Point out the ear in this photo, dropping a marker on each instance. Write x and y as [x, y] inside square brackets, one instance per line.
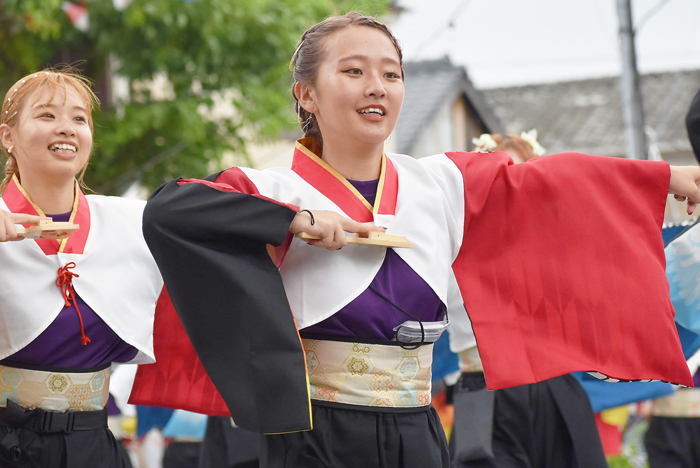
[306, 96]
[6, 136]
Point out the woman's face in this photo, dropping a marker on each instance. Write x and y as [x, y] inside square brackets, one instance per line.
[358, 91]
[52, 136]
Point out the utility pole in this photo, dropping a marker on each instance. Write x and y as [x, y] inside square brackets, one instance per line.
[631, 94]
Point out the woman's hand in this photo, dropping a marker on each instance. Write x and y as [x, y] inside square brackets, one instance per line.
[8, 232]
[329, 226]
[684, 185]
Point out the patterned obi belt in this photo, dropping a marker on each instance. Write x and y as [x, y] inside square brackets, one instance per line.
[376, 375]
[683, 403]
[56, 391]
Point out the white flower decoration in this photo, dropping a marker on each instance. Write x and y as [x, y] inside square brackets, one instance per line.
[484, 143]
[531, 138]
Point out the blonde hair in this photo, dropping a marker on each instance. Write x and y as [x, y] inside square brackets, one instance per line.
[16, 97]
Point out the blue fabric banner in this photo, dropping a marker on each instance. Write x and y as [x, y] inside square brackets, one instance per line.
[444, 361]
[683, 271]
[606, 395]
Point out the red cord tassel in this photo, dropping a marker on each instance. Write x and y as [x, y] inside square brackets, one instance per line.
[65, 283]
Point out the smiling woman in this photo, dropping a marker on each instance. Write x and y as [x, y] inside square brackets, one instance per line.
[69, 307]
[520, 246]
[40, 96]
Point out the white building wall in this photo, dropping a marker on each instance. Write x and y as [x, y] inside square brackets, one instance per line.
[438, 137]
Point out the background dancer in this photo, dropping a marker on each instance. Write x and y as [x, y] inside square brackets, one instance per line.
[70, 307]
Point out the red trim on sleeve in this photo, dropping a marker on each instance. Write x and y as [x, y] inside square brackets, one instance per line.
[178, 380]
[234, 180]
[235, 177]
[280, 252]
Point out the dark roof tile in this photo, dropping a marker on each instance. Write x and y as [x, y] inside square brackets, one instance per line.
[586, 115]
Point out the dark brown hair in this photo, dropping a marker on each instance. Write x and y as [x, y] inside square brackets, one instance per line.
[16, 98]
[310, 53]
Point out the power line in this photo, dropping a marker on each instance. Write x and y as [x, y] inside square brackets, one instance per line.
[652, 11]
[444, 27]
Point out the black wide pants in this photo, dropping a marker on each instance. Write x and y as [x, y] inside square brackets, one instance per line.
[549, 424]
[96, 448]
[349, 438]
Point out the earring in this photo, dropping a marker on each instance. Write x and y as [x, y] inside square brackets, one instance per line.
[9, 150]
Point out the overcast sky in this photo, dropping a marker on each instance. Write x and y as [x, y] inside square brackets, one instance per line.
[512, 42]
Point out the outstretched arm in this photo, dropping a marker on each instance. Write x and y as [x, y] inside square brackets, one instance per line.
[562, 263]
[684, 185]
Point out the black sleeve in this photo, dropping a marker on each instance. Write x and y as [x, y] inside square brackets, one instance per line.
[210, 246]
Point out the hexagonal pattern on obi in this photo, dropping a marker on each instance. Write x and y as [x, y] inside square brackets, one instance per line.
[56, 391]
[58, 383]
[408, 368]
[369, 374]
[10, 377]
[358, 365]
[97, 381]
[79, 396]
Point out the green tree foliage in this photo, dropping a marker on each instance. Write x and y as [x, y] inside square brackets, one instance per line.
[236, 49]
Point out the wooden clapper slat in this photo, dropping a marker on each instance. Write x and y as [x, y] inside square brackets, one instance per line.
[47, 229]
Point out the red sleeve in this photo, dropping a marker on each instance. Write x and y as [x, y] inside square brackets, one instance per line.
[178, 379]
[562, 268]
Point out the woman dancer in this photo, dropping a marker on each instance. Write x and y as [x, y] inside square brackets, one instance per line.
[368, 315]
[71, 307]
